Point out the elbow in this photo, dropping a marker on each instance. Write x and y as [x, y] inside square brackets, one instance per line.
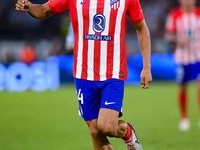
[45, 12]
[37, 12]
[43, 15]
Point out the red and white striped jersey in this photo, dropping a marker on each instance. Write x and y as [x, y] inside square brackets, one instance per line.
[188, 25]
[99, 31]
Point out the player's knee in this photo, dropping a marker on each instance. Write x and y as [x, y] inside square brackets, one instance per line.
[94, 132]
[107, 129]
[183, 88]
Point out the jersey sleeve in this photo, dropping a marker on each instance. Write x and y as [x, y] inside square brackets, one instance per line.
[58, 6]
[135, 12]
[170, 23]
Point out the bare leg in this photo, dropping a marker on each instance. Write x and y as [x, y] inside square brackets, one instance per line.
[100, 142]
[109, 125]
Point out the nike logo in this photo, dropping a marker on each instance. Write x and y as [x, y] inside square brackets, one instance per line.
[106, 103]
[84, 3]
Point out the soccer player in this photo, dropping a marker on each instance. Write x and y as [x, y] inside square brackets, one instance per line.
[100, 65]
[183, 29]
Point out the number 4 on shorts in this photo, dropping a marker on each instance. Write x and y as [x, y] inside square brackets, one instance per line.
[80, 96]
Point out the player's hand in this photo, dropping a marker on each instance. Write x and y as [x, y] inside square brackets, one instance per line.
[146, 78]
[22, 5]
[183, 41]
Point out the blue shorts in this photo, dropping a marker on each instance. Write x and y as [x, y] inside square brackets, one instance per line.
[93, 95]
[185, 73]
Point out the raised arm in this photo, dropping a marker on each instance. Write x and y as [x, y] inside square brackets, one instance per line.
[145, 46]
[34, 10]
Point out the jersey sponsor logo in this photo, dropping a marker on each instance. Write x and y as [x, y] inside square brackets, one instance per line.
[99, 22]
[98, 37]
[114, 4]
[84, 3]
[109, 103]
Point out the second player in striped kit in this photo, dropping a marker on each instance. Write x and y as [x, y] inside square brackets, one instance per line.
[183, 29]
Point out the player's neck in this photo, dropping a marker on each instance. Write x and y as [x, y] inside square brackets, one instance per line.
[188, 9]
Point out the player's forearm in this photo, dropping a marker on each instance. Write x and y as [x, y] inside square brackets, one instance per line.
[145, 45]
[181, 40]
[38, 11]
[34, 10]
[170, 37]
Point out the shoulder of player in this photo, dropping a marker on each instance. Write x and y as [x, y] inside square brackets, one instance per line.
[197, 10]
[176, 12]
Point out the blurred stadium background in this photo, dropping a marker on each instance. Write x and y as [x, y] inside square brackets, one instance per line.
[33, 58]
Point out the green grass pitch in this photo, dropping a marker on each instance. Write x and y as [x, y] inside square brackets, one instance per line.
[50, 121]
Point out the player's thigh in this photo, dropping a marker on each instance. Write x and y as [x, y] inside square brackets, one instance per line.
[111, 104]
[108, 119]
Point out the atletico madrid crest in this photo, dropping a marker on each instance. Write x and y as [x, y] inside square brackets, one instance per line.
[114, 4]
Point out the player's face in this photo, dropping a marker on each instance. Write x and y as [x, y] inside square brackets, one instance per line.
[187, 3]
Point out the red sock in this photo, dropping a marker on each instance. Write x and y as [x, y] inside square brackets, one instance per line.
[128, 133]
[183, 104]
